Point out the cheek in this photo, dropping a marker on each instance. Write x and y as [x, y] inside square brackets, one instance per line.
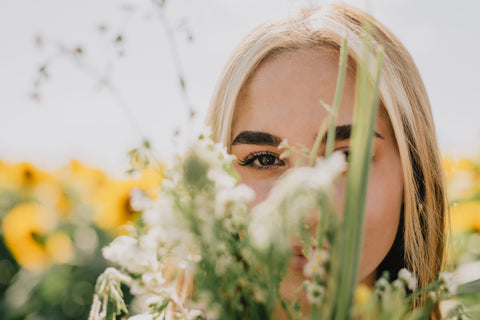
[383, 209]
[261, 186]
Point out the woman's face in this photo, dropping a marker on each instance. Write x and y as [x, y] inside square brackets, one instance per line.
[283, 100]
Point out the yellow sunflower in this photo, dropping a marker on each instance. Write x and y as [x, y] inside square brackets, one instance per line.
[25, 229]
[462, 177]
[112, 205]
[59, 247]
[465, 216]
[150, 181]
[84, 179]
[28, 182]
[23, 175]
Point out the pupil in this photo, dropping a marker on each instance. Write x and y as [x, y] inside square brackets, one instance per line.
[267, 160]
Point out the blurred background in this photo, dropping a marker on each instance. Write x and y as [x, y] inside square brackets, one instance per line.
[85, 82]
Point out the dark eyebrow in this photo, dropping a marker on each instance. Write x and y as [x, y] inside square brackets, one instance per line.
[344, 132]
[257, 137]
[266, 139]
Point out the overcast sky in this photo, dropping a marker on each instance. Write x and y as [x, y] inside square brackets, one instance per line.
[79, 117]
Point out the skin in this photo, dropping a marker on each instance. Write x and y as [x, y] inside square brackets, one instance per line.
[283, 98]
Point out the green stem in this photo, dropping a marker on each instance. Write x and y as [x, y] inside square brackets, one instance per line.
[316, 145]
[322, 224]
[366, 105]
[342, 67]
[285, 308]
[469, 288]
[430, 287]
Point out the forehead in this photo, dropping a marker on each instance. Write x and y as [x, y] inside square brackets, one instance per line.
[284, 96]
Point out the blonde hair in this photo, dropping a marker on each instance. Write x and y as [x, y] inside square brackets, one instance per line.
[403, 99]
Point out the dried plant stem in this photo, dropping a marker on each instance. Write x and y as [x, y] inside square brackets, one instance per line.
[320, 134]
[176, 59]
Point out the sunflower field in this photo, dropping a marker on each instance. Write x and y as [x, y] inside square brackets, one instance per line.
[53, 227]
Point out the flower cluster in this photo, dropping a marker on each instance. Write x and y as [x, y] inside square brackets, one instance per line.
[316, 271]
[199, 229]
[408, 279]
[199, 211]
[198, 252]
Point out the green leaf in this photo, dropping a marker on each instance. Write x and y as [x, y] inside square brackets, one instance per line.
[337, 98]
[469, 288]
[366, 104]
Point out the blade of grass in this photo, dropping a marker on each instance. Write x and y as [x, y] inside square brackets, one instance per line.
[366, 105]
[342, 68]
[316, 145]
[469, 288]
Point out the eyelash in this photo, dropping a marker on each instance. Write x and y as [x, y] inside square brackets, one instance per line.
[347, 154]
[250, 159]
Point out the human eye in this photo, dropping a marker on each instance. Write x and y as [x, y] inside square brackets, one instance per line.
[261, 160]
[347, 153]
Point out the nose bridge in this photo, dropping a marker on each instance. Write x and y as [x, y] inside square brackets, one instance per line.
[302, 144]
[298, 159]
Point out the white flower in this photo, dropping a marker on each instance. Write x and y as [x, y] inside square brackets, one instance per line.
[153, 300]
[315, 265]
[205, 133]
[122, 251]
[315, 292]
[382, 285]
[240, 196]
[312, 269]
[161, 212]
[320, 255]
[215, 154]
[154, 281]
[408, 278]
[139, 201]
[399, 284]
[222, 179]
[126, 252]
[171, 180]
[222, 150]
[263, 228]
[114, 274]
[448, 279]
[154, 240]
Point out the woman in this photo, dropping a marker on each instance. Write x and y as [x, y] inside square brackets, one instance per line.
[272, 88]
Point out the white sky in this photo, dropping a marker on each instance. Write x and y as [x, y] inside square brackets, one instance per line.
[76, 118]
